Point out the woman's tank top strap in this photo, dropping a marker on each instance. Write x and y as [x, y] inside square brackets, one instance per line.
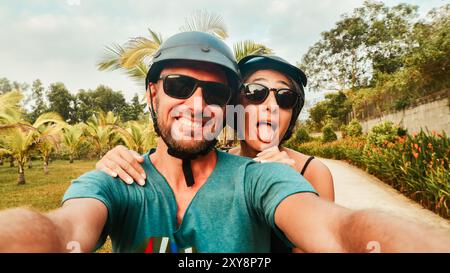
[306, 165]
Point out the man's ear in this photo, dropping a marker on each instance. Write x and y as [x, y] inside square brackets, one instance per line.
[151, 91]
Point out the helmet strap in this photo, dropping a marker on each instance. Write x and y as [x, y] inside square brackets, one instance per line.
[153, 114]
[187, 171]
[186, 162]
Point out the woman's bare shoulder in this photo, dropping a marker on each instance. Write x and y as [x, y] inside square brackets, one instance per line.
[315, 166]
[235, 151]
[297, 156]
[317, 173]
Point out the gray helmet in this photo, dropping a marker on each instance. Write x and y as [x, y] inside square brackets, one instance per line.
[192, 46]
[258, 62]
[195, 46]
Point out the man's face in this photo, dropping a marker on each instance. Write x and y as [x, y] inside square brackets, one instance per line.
[188, 125]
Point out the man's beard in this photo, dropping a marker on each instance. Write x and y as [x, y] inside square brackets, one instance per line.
[199, 147]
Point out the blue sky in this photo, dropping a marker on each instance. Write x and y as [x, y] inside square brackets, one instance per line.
[62, 40]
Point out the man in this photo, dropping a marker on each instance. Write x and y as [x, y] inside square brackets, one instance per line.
[197, 198]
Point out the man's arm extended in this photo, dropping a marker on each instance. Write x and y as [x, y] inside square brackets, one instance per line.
[317, 225]
[80, 221]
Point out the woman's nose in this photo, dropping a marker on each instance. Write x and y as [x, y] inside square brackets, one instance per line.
[270, 104]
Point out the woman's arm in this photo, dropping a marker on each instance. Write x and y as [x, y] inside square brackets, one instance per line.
[321, 179]
[316, 172]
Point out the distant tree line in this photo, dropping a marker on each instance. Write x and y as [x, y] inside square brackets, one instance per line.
[73, 108]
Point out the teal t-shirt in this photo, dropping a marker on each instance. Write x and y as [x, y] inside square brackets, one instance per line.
[232, 212]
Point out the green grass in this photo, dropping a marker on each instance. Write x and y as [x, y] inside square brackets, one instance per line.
[41, 192]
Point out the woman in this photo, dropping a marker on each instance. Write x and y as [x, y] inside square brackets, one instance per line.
[276, 88]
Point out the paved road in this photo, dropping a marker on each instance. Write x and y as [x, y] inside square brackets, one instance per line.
[356, 189]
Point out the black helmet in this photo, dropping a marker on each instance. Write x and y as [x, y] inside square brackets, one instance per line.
[258, 62]
[195, 46]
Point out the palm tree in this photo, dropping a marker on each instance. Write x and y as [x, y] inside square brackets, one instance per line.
[48, 141]
[137, 135]
[99, 129]
[135, 55]
[73, 138]
[21, 137]
[10, 112]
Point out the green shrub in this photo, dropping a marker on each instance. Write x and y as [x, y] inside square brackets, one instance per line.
[301, 135]
[382, 133]
[328, 134]
[353, 129]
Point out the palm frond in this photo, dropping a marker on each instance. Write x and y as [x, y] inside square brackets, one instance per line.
[10, 111]
[138, 50]
[138, 73]
[4, 152]
[12, 98]
[137, 135]
[19, 125]
[49, 117]
[156, 37]
[202, 20]
[112, 59]
[245, 48]
[18, 142]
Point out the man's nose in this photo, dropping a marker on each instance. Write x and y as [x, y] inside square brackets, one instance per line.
[196, 100]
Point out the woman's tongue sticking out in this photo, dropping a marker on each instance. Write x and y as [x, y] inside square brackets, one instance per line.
[266, 132]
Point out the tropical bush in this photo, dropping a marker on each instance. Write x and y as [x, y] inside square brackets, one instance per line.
[328, 134]
[417, 165]
[353, 129]
[302, 135]
[382, 133]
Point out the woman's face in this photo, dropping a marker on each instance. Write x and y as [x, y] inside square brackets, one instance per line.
[267, 126]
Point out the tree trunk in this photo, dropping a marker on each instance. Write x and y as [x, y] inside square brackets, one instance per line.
[46, 166]
[11, 162]
[1, 161]
[30, 163]
[71, 159]
[21, 177]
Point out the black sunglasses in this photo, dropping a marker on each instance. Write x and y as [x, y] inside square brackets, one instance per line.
[257, 93]
[182, 87]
